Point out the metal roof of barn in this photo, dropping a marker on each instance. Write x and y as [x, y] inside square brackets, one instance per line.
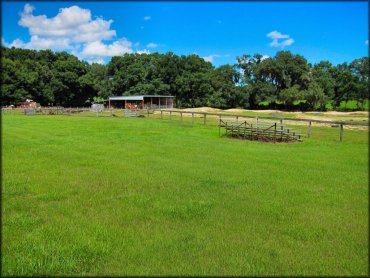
[136, 97]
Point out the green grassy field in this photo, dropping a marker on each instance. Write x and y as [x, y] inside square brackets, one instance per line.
[115, 196]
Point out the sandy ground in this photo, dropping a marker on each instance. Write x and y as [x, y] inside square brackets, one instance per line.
[204, 109]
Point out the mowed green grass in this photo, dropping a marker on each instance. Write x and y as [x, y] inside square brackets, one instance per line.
[115, 196]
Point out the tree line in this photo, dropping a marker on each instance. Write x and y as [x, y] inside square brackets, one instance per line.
[285, 81]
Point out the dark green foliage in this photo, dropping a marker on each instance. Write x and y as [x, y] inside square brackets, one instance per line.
[44, 76]
[290, 94]
[360, 68]
[315, 96]
[281, 81]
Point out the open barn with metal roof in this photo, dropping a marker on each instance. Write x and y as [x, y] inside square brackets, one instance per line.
[141, 102]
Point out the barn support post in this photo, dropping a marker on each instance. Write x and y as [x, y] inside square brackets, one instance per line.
[109, 104]
[166, 102]
[341, 132]
[151, 103]
[309, 129]
[125, 104]
[159, 103]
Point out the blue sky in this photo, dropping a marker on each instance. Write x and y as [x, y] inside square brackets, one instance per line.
[217, 31]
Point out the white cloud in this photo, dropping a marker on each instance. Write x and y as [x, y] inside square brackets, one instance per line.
[287, 42]
[208, 58]
[151, 45]
[264, 57]
[147, 17]
[37, 42]
[367, 42]
[95, 60]
[16, 43]
[276, 36]
[99, 49]
[28, 8]
[211, 58]
[73, 23]
[72, 29]
[145, 51]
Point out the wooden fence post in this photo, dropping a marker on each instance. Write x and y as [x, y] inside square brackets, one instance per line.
[205, 118]
[192, 118]
[161, 114]
[281, 133]
[309, 129]
[170, 115]
[341, 132]
[219, 128]
[181, 115]
[245, 129]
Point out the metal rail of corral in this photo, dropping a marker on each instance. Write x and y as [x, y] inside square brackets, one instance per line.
[281, 119]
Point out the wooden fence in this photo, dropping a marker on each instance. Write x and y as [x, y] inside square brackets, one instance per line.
[172, 112]
[258, 118]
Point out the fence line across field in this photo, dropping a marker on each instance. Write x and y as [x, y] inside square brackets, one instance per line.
[257, 118]
[58, 110]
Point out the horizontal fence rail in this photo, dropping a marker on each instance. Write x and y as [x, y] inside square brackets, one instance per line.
[281, 119]
[267, 118]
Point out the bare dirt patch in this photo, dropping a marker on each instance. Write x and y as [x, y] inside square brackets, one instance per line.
[204, 109]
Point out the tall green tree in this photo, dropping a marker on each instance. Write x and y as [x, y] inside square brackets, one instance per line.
[360, 69]
[315, 96]
[321, 74]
